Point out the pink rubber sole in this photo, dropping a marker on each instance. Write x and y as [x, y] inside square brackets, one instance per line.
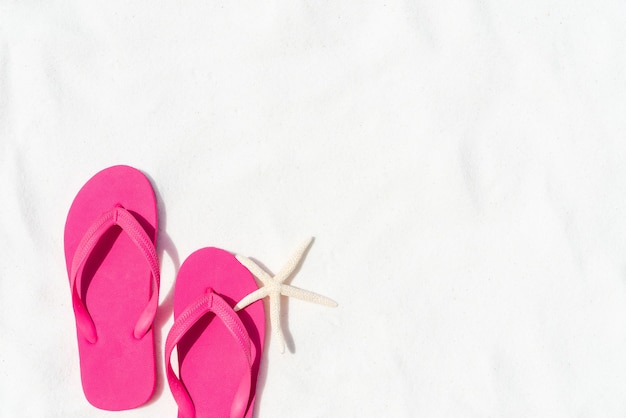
[117, 372]
[210, 362]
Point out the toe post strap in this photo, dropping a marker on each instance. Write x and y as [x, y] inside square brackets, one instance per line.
[120, 217]
[210, 302]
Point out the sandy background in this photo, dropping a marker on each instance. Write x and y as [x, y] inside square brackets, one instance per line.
[461, 165]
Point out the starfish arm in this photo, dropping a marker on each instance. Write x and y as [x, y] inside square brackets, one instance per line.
[294, 260]
[251, 298]
[275, 320]
[254, 268]
[307, 295]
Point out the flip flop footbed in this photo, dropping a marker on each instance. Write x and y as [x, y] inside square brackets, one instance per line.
[118, 370]
[211, 364]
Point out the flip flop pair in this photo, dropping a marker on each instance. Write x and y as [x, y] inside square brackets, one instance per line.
[113, 269]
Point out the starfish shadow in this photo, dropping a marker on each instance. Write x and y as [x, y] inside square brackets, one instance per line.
[285, 301]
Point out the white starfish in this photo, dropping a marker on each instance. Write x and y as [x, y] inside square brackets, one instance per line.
[275, 286]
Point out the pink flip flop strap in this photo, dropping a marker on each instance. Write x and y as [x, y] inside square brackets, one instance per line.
[209, 302]
[118, 216]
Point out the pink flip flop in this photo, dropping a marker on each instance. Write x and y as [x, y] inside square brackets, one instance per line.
[110, 237]
[219, 350]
